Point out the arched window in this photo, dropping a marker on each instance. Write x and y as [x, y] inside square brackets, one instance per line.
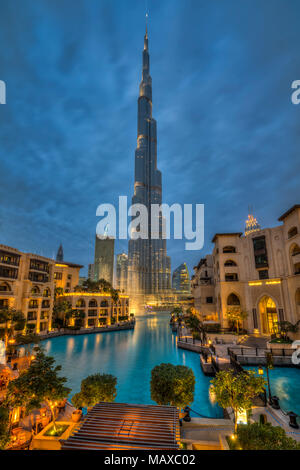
[4, 303]
[230, 262]
[93, 303]
[295, 250]
[298, 303]
[229, 249]
[5, 287]
[80, 303]
[35, 290]
[46, 292]
[292, 232]
[104, 303]
[233, 299]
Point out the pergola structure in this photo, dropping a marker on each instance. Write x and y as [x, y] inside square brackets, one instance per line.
[121, 426]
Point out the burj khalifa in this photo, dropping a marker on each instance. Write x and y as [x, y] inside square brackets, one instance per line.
[149, 267]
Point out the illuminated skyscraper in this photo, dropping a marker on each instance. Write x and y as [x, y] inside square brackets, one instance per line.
[149, 277]
[104, 258]
[121, 272]
[181, 280]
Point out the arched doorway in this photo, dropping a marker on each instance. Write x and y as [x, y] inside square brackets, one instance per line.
[268, 315]
[298, 303]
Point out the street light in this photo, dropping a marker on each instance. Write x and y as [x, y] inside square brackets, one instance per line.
[273, 400]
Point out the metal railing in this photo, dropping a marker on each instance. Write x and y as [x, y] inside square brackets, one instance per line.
[259, 352]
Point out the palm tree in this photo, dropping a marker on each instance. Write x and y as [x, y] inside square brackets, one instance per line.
[13, 320]
[286, 327]
[196, 326]
[58, 291]
[61, 311]
[115, 298]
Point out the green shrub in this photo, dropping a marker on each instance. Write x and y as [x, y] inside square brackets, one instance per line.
[281, 340]
[172, 385]
[94, 389]
[4, 427]
[265, 437]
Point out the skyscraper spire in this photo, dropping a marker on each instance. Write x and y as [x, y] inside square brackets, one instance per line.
[60, 253]
[146, 34]
[148, 263]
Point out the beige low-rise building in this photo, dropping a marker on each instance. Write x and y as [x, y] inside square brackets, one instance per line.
[98, 307]
[66, 275]
[203, 288]
[26, 284]
[258, 271]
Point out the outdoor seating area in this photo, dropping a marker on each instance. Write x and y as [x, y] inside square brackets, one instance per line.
[21, 439]
[124, 426]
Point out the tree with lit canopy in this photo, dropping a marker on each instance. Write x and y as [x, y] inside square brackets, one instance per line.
[237, 316]
[237, 390]
[172, 385]
[13, 320]
[94, 389]
[39, 384]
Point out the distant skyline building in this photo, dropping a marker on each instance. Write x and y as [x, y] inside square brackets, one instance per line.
[121, 272]
[181, 282]
[149, 267]
[60, 253]
[91, 274]
[104, 258]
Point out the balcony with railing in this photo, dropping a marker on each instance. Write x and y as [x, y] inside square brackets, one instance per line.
[8, 272]
[92, 313]
[4, 303]
[38, 277]
[231, 277]
[31, 316]
[37, 265]
[44, 316]
[9, 258]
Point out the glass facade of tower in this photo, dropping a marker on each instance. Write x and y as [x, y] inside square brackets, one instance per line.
[121, 272]
[104, 259]
[148, 263]
[181, 280]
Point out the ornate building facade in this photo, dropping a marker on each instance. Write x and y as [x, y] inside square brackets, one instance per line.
[258, 272]
[27, 284]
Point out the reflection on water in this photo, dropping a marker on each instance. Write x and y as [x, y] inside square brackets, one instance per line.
[285, 384]
[130, 356]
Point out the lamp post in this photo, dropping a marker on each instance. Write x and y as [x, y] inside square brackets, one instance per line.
[273, 400]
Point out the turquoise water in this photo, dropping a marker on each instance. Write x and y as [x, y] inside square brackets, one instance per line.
[285, 384]
[130, 356]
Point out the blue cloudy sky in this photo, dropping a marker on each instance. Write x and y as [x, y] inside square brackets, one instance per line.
[228, 134]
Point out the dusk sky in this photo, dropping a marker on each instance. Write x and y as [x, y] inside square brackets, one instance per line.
[228, 133]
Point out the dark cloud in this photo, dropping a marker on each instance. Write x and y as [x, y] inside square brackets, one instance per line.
[228, 133]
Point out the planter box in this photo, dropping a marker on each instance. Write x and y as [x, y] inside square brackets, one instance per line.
[278, 345]
[42, 442]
